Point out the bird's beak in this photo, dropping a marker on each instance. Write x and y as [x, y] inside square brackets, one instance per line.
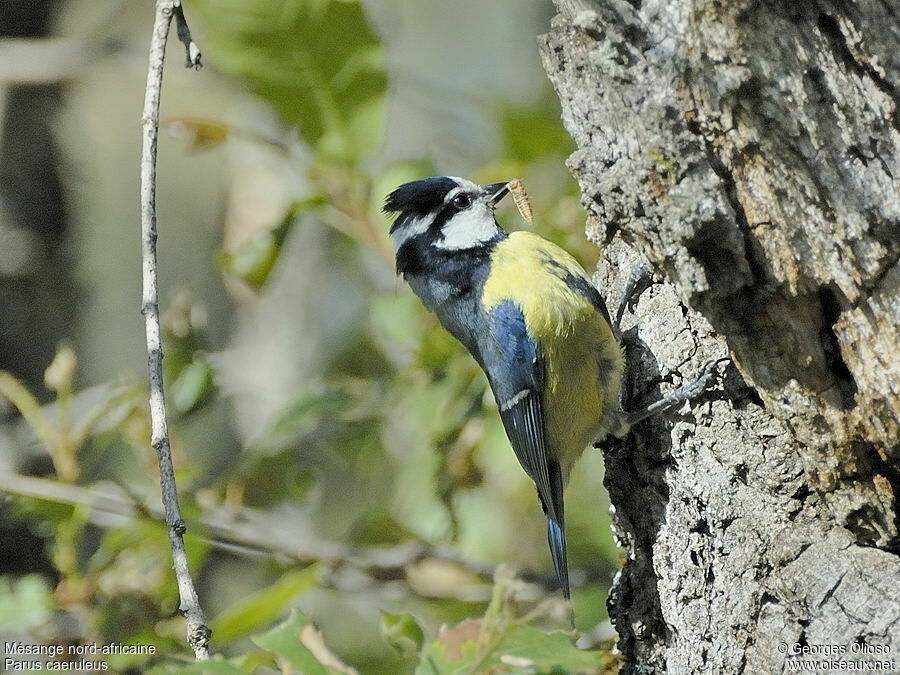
[496, 192]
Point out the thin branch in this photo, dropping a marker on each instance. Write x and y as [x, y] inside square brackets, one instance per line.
[191, 50]
[197, 631]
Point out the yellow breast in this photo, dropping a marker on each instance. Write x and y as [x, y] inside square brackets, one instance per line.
[583, 362]
[531, 271]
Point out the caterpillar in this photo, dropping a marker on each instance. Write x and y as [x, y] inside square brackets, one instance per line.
[520, 197]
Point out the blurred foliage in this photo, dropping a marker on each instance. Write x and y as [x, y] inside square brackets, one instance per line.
[262, 608]
[500, 641]
[317, 61]
[25, 603]
[395, 440]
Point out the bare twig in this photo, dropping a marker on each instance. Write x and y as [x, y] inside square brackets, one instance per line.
[191, 50]
[197, 631]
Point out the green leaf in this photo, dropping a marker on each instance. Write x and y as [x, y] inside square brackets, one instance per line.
[454, 651]
[263, 607]
[254, 260]
[522, 649]
[402, 632]
[317, 61]
[250, 661]
[194, 386]
[554, 650]
[285, 641]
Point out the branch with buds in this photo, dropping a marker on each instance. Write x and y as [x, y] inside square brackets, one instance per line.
[197, 631]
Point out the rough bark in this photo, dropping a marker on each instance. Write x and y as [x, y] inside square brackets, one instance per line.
[750, 152]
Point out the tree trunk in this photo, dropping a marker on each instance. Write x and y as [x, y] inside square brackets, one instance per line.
[750, 152]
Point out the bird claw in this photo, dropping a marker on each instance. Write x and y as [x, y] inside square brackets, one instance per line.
[700, 384]
[685, 393]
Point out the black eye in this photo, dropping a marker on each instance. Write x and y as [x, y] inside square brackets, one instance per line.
[462, 201]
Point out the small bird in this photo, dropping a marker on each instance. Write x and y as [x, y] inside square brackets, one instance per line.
[529, 315]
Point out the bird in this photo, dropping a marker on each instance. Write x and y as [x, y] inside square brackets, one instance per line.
[528, 313]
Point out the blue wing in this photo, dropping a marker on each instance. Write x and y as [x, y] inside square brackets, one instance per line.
[515, 370]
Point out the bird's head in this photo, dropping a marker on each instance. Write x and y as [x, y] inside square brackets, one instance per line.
[444, 213]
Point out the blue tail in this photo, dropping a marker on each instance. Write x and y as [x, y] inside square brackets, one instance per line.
[556, 537]
[556, 525]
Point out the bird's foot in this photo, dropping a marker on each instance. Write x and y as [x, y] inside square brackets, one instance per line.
[685, 393]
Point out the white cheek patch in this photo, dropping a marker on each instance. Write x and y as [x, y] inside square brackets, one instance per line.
[468, 229]
[409, 230]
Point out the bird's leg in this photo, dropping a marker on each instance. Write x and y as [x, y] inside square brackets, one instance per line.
[639, 280]
[684, 393]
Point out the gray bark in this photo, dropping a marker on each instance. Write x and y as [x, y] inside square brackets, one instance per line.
[750, 152]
